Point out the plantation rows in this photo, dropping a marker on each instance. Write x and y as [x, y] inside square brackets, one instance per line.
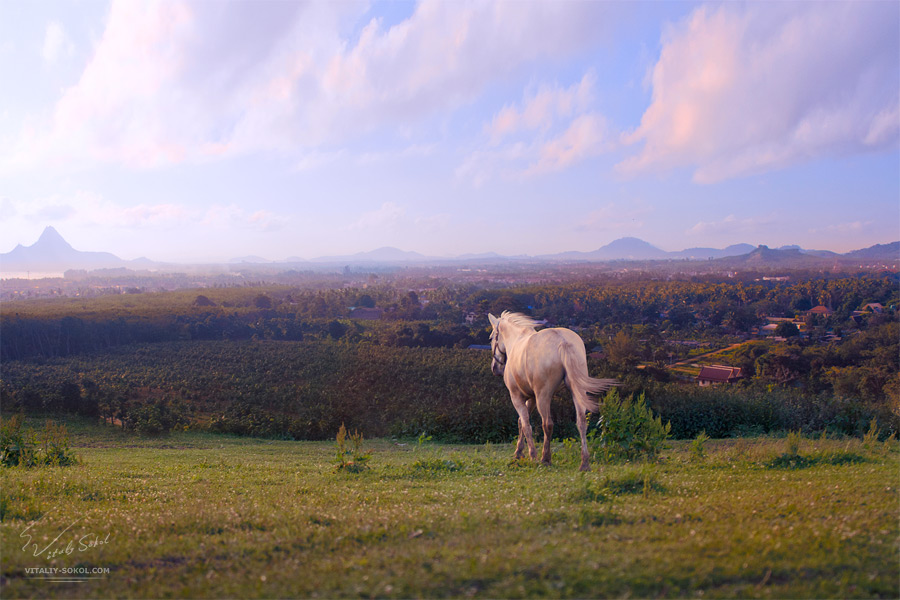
[307, 389]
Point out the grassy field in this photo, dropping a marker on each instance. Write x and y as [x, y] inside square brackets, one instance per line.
[198, 515]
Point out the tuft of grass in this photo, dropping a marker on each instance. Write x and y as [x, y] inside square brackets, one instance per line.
[698, 452]
[359, 460]
[793, 443]
[632, 480]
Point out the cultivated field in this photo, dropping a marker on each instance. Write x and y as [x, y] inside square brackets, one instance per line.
[199, 515]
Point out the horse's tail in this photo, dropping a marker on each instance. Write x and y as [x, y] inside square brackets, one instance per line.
[582, 385]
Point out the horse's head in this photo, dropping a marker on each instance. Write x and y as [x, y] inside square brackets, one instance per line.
[498, 348]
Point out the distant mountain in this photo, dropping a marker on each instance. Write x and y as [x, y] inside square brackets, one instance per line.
[763, 256]
[386, 254]
[52, 253]
[708, 253]
[630, 248]
[767, 255]
[818, 253]
[627, 248]
[821, 253]
[878, 252]
[253, 260]
[482, 256]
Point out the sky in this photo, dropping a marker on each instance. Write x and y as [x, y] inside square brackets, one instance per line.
[204, 131]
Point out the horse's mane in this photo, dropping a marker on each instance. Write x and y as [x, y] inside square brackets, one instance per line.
[519, 319]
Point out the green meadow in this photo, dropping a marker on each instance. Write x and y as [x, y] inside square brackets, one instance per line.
[198, 515]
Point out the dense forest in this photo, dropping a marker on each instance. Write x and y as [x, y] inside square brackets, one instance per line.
[394, 357]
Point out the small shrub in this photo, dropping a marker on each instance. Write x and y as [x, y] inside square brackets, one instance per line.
[358, 461]
[871, 437]
[698, 451]
[16, 444]
[21, 446]
[627, 429]
[793, 443]
[53, 445]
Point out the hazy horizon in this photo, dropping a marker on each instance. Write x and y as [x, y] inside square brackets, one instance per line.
[204, 131]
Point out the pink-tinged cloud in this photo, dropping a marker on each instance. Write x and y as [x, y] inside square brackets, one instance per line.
[747, 88]
[179, 81]
[542, 109]
[583, 139]
[551, 130]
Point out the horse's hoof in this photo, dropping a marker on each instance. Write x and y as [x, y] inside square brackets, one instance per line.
[585, 468]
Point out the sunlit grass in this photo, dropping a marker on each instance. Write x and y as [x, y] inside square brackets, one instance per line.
[197, 515]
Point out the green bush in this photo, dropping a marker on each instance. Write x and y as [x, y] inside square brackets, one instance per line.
[627, 429]
[697, 448]
[22, 446]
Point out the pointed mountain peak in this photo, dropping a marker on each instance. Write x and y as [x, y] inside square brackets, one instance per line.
[51, 237]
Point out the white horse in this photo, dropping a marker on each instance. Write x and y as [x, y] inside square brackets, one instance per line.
[533, 364]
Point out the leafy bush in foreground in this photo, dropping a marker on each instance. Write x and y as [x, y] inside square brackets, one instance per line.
[22, 446]
[627, 429]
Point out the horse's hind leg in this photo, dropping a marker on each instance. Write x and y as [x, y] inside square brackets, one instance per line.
[543, 404]
[581, 421]
[523, 408]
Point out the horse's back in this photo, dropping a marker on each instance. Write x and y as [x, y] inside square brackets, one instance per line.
[552, 340]
[541, 363]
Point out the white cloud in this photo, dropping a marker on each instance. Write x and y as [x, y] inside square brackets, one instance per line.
[506, 162]
[231, 217]
[849, 227]
[56, 43]
[387, 216]
[747, 88]
[732, 225]
[91, 210]
[178, 81]
[316, 159]
[583, 139]
[391, 221]
[552, 129]
[614, 216]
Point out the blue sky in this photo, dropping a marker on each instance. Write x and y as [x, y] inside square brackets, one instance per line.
[202, 131]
